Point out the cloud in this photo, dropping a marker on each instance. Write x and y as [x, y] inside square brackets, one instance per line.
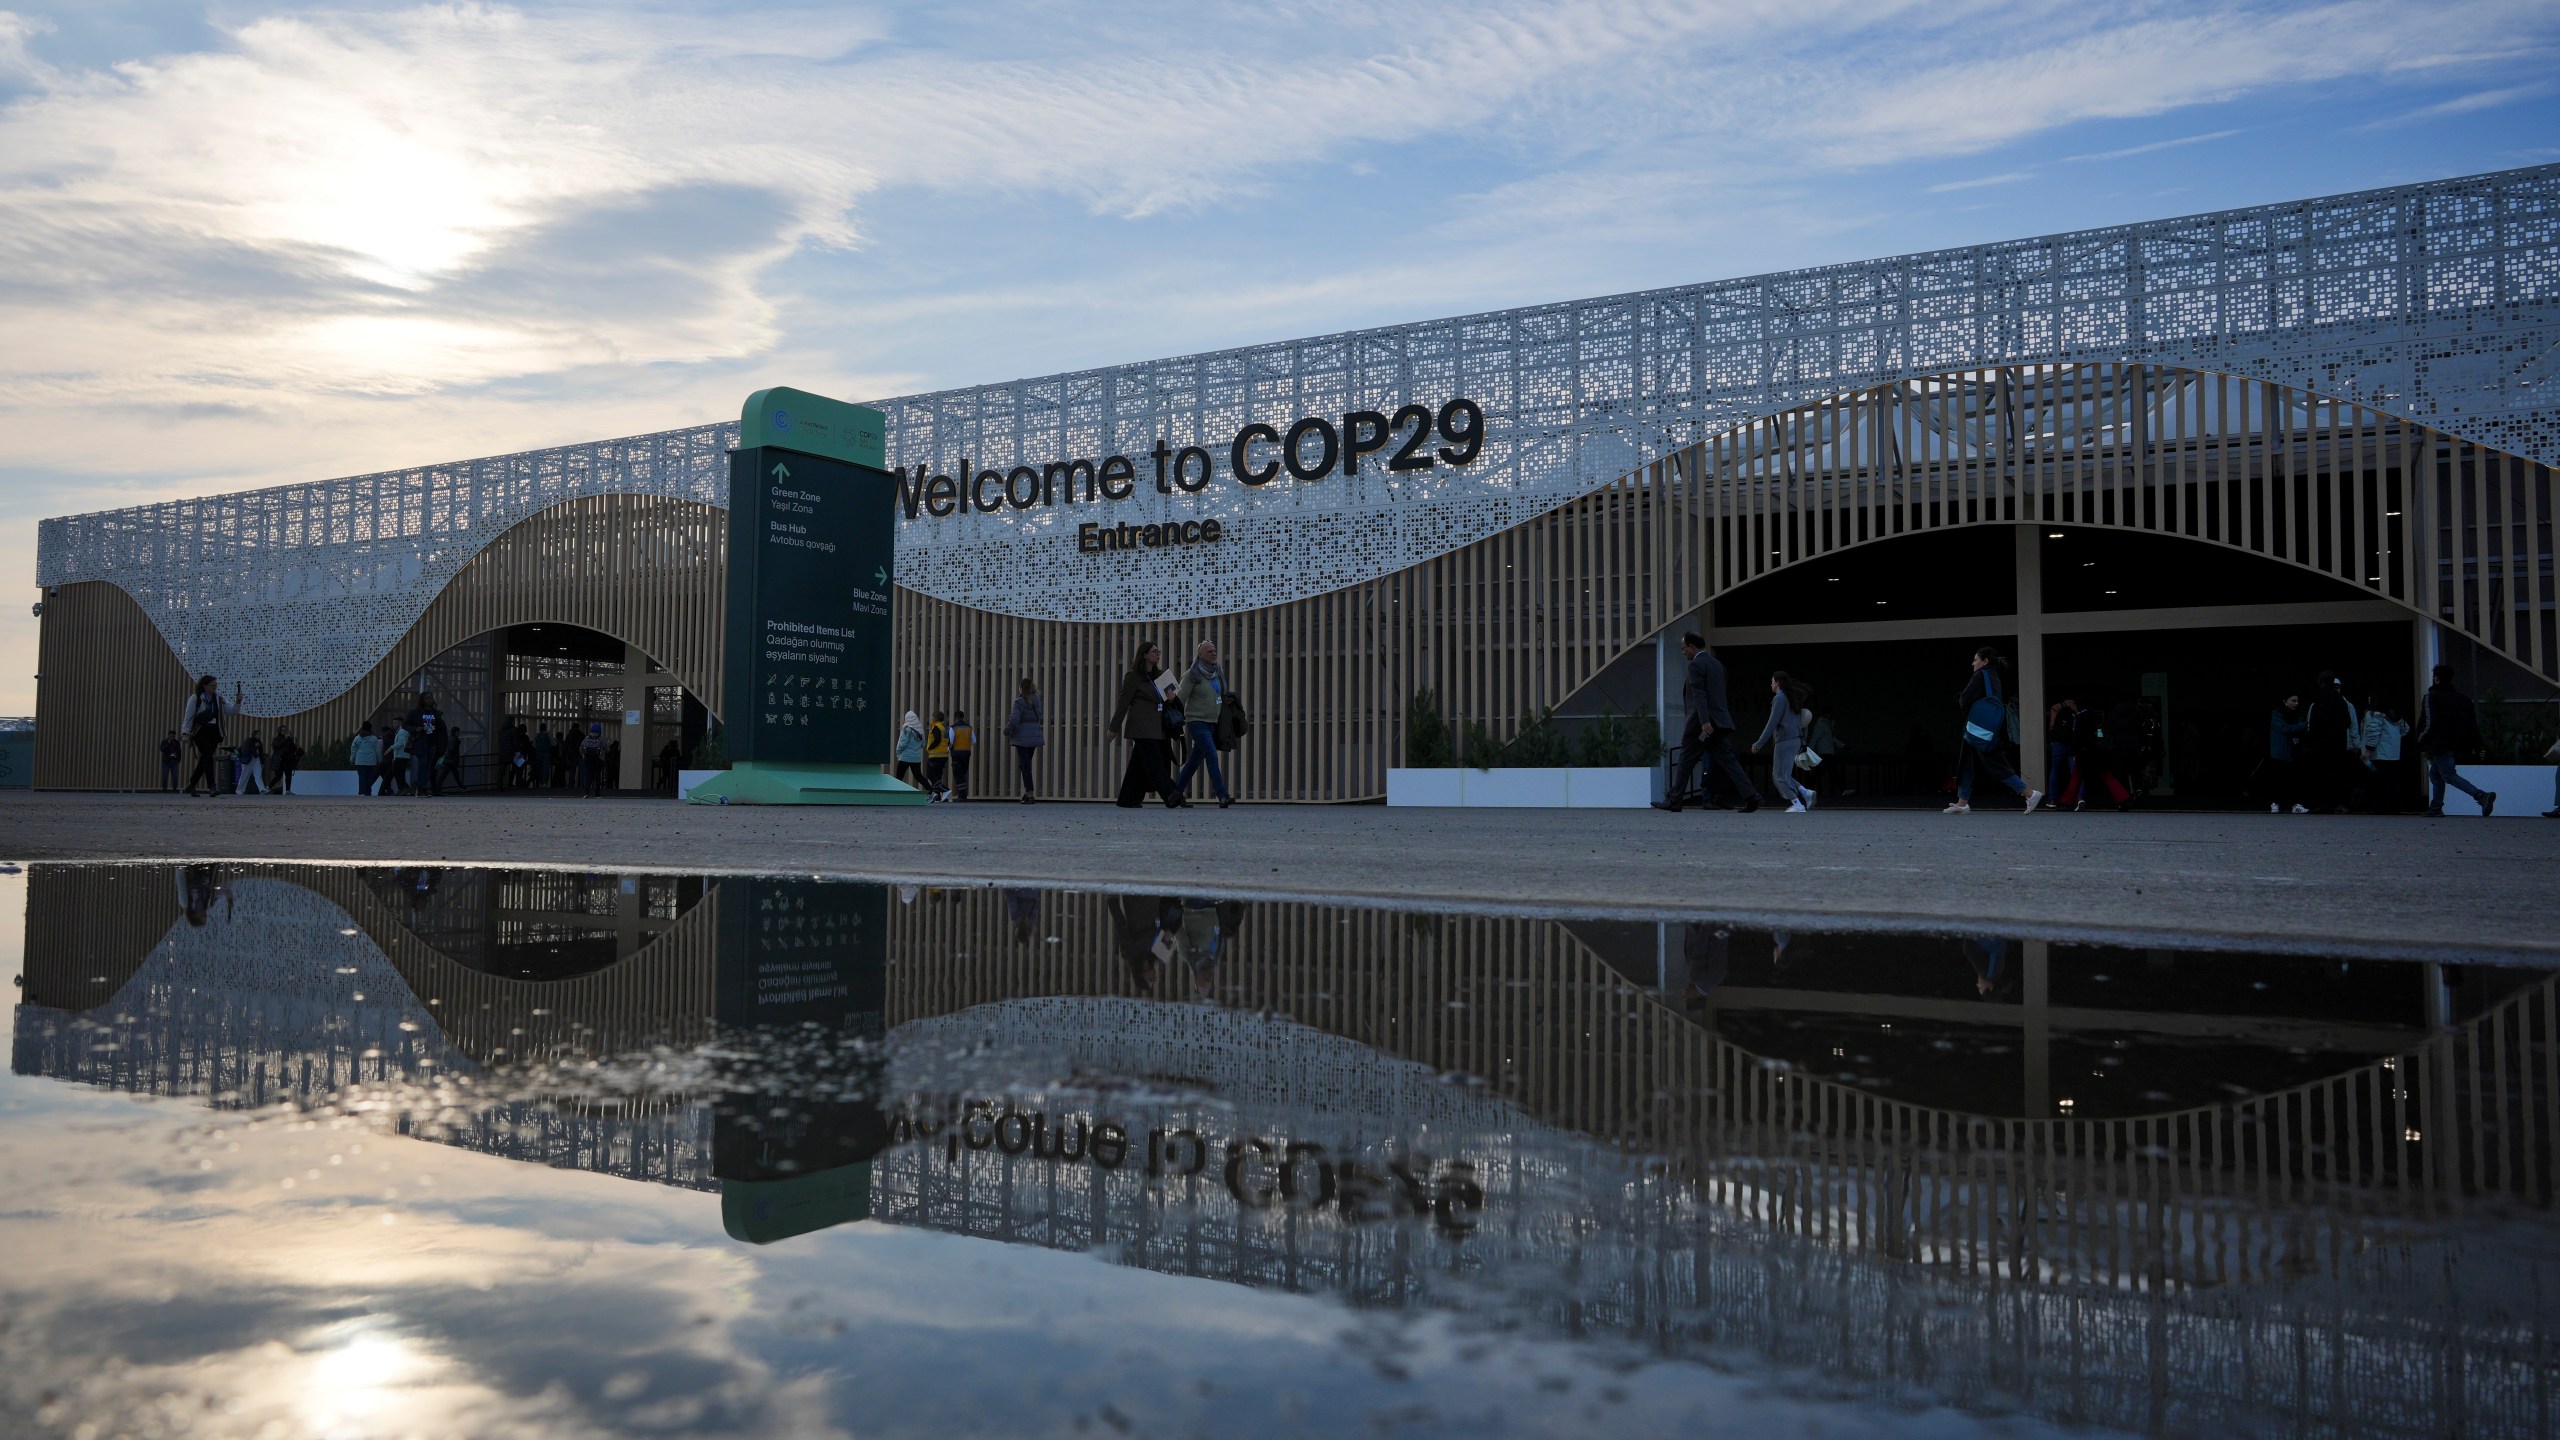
[2464, 104]
[2129, 151]
[330, 239]
[2011, 177]
[1988, 95]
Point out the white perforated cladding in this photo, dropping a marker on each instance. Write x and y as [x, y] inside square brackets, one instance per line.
[2439, 302]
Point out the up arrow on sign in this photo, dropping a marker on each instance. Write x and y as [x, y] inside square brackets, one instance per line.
[781, 472]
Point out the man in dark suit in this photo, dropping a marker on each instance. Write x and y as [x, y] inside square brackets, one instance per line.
[1706, 731]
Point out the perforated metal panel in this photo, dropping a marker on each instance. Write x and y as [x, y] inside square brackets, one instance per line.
[2437, 302]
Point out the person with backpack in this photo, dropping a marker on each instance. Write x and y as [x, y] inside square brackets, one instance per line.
[591, 760]
[1203, 698]
[364, 753]
[2383, 732]
[1783, 736]
[2094, 757]
[202, 721]
[1984, 702]
[937, 758]
[171, 751]
[249, 765]
[1023, 730]
[2448, 725]
[964, 745]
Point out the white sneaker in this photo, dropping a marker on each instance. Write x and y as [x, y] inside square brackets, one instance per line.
[1796, 809]
[2034, 798]
[2275, 809]
[1958, 808]
[2301, 809]
[1807, 802]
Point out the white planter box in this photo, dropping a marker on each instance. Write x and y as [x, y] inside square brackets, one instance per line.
[1439, 788]
[2521, 790]
[1629, 787]
[324, 782]
[687, 779]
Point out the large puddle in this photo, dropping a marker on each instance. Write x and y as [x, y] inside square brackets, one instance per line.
[340, 1151]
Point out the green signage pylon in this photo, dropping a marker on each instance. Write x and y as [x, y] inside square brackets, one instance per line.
[812, 564]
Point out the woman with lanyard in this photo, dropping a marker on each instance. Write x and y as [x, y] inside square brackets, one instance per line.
[1204, 692]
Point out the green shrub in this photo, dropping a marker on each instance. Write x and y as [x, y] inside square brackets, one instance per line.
[1538, 746]
[1426, 735]
[1601, 741]
[2510, 737]
[711, 752]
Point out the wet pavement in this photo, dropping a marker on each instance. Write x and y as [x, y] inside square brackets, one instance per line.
[354, 1151]
[2322, 884]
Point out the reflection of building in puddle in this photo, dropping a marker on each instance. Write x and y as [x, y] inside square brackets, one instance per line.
[1623, 1165]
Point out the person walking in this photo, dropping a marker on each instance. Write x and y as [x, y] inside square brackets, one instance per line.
[1706, 732]
[364, 753]
[1137, 716]
[2094, 758]
[2060, 776]
[2447, 726]
[591, 760]
[910, 752]
[287, 753]
[395, 760]
[201, 721]
[426, 745]
[1023, 730]
[1985, 706]
[249, 766]
[937, 758]
[613, 764]
[1204, 701]
[1783, 736]
[172, 750]
[545, 750]
[2280, 782]
[2382, 733]
[964, 745]
[2329, 743]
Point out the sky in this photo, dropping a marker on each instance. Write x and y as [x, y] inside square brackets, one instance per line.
[248, 244]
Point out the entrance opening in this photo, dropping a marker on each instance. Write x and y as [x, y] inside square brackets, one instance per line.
[2183, 649]
[534, 691]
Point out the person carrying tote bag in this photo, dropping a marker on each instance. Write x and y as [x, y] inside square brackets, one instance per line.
[1986, 725]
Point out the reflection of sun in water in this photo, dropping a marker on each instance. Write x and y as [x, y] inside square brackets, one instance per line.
[357, 1373]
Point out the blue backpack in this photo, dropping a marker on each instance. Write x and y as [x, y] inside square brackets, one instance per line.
[1988, 720]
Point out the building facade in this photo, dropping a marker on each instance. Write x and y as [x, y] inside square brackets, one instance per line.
[2317, 428]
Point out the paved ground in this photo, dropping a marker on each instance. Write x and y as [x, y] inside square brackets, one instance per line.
[2336, 883]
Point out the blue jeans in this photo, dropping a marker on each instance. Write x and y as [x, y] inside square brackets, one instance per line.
[1989, 762]
[1204, 746]
[2440, 773]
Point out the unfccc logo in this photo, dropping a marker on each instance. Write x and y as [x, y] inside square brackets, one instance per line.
[781, 419]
